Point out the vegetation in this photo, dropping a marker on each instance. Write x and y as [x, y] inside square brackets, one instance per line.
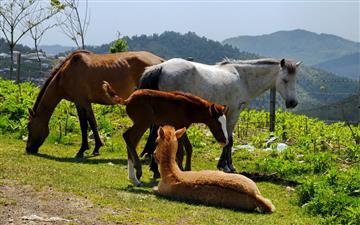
[119, 45]
[322, 159]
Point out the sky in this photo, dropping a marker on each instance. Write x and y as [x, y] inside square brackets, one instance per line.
[216, 20]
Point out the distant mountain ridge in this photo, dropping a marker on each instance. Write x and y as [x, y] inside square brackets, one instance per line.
[347, 66]
[298, 44]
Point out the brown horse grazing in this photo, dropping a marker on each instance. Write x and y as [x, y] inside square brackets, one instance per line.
[146, 107]
[208, 187]
[79, 79]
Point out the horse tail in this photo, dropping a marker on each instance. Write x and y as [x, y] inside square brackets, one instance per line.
[111, 94]
[150, 78]
[264, 204]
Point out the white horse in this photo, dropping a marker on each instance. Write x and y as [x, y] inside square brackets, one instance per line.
[233, 83]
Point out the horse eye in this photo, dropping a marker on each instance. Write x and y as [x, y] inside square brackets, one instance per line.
[285, 81]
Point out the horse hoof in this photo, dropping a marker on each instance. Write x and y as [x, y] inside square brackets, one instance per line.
[79, 155]
[232, 169]
[138, 174]
[136, 182]
[226, 169]
[96, 153]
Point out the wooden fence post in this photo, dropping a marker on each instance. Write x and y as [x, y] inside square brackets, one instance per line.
[272, 108]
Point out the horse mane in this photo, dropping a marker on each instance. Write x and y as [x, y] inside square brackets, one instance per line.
[289, 65]
[52, 75]
[265, 61]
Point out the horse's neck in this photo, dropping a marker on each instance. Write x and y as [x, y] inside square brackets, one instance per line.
[52, 96]
[262, 79]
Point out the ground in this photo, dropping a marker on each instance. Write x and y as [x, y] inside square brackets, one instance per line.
[95, 190]
[22, 202]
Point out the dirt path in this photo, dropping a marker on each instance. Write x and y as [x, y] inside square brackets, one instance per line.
[23, 204]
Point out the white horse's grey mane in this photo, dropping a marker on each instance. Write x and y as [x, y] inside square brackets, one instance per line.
[266, 61]
[289, 65]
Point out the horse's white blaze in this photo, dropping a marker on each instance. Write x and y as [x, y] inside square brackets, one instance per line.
[131, 172]
[222, 120]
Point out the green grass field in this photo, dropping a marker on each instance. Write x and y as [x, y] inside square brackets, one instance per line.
[103, 180]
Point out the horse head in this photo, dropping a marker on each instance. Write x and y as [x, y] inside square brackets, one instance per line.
[285, 82]
[167, 143]
[38, 131]
[217, 124]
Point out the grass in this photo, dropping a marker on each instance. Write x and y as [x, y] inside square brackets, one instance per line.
[103, 180]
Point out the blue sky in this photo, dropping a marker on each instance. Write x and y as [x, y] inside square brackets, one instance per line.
[217, 20]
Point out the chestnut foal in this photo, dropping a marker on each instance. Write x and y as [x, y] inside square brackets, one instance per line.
[146, 107]
[208, 187]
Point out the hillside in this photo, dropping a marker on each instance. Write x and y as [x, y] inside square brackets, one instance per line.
[310, 47]
[4, 47]
[347, 66]
[317, 88]
[172, 44]
[55, 49]
[343, 110]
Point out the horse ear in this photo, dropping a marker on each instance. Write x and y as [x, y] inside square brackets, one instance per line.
[282, 63]
[298, 63]
[179, 133]
[213, 110]
[31, 112]
[226, 110]
[161, 132]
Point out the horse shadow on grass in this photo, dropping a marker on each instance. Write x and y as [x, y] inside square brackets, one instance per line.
[85, 160]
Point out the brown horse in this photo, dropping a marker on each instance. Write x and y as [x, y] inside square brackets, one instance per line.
[207, 187]
[79, 79]
[146, 107]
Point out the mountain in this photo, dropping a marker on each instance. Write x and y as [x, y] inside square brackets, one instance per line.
[55, 49]
[312, 48]
[347, 66]
[172, 44]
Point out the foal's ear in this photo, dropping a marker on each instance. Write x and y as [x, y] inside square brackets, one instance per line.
[282, 63]
[179, 133]
[31, 112]
[226, 109]
[161, 132]
[213, 110]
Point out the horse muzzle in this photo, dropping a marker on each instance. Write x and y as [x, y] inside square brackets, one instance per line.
[292, 103]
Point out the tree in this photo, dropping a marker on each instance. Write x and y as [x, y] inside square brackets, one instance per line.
[120, 45]
[73, 25]
[15, 23]
[38, 32]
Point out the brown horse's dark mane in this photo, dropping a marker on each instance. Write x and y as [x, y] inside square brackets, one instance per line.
[52, 75]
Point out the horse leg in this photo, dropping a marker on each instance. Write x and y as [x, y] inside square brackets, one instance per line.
[225, 161]
[84, 131]
[93, 126]
[229, 153]
[151, 141]
[222, 164]
[154, 167]
[132, 137]
[233, 117]
[180, 154]
[188, 148]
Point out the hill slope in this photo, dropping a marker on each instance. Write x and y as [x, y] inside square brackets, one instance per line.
[172, 44]
[310, 47]
[347, 66]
